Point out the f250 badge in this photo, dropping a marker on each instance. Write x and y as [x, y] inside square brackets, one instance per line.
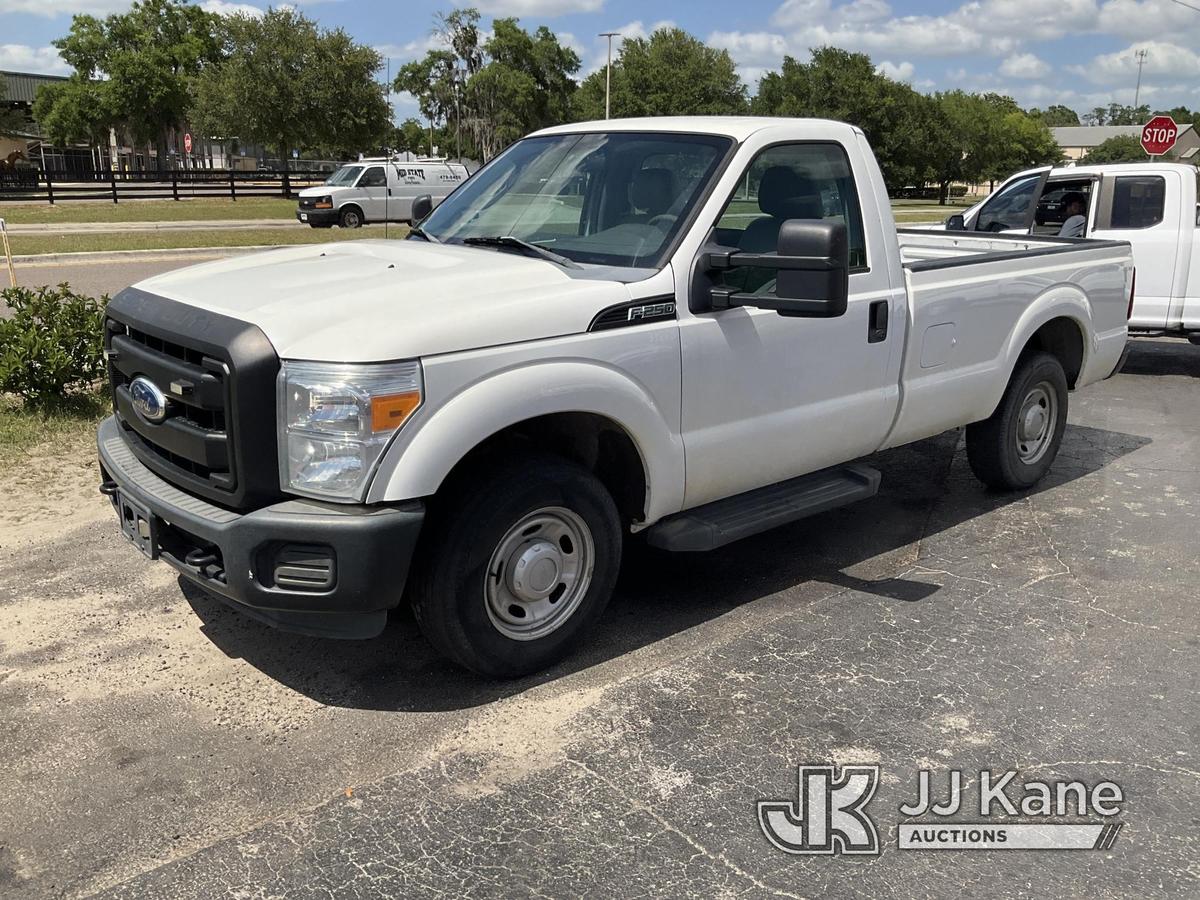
[650, 311]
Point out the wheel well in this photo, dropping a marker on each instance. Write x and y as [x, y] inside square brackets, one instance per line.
[593, 441]
[1062, 338]
[353, 206]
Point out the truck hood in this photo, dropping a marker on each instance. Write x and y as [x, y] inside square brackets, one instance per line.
[323, 190]
[370, 300]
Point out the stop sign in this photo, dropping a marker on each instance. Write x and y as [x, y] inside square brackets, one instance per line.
[187, 142]
[1158, 135]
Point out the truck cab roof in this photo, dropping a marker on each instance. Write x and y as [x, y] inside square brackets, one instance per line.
[737, 127]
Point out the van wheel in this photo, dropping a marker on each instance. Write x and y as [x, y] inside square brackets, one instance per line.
[351, 217]
[516, 565]
[1014, 448]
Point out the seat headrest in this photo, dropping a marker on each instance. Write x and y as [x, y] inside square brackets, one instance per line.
[652, 191]
[785, 193]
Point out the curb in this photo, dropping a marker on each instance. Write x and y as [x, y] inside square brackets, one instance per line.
[133, 255]
[181, 225]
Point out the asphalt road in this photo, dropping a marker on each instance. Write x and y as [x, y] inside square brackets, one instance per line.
[157, 744]
[99, 274]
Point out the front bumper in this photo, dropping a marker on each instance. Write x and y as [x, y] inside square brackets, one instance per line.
[326, 569]
[317, 216]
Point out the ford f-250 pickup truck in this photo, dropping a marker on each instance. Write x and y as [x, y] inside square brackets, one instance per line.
[689, 328]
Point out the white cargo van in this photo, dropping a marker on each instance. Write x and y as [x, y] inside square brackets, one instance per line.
[377, 190]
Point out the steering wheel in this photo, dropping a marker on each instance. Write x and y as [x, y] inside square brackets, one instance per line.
[663, 221]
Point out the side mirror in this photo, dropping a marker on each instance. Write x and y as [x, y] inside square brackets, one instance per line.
[421, 208]
[813, 271]
[956, 222]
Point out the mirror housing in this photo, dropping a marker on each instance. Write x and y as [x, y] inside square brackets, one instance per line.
[421, 208]
[956, 222]
[813, 271]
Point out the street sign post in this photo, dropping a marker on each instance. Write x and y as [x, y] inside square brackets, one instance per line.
[1158, 135]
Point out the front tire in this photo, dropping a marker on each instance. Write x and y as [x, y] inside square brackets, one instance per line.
[1016, 446]
[517, 563]
[351, 217]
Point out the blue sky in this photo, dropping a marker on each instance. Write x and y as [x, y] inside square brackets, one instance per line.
[1077, 52]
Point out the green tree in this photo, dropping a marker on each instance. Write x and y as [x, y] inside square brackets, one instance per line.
[1122, 148]
[1056, 116]
[670, 73]
[489, 94]
[285, 83]
[74, 111]
[139, 64]
[837, 84]
[410, 136]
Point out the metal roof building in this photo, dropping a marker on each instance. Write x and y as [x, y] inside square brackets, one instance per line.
[22, 87]
[1077, 140]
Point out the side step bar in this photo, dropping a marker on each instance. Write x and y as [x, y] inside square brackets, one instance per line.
[724, 521]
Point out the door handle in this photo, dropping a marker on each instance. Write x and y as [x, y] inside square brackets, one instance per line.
[877, 322]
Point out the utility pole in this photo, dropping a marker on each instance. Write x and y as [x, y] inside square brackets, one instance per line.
[608, 70]
[1141, 61]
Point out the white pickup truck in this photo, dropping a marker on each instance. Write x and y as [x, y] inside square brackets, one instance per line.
[686, 328]
[1153, 206]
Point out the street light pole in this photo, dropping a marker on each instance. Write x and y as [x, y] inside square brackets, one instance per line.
[1137, 91]
[608, 70]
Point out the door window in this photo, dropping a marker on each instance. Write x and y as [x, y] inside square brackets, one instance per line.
[791, 181]
[1138, 201]
[1009, 208]
[373, 177]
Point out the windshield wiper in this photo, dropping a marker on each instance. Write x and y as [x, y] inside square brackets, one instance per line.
[515, 243]
[423, 234]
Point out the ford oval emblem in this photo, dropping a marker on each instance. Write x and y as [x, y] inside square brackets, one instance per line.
[149, 401]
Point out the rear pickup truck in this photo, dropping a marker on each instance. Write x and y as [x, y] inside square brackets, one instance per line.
[689, 329]
[1153, 206]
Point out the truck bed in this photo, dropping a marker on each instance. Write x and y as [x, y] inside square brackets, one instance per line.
[968, 298]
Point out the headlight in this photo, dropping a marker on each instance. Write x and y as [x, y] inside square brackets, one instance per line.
[336, 419]
[323, 203]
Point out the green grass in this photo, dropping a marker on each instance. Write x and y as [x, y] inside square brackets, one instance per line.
[23, 428]
[207, 208]
[37, 244]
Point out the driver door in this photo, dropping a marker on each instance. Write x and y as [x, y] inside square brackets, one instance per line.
[768, 397]
[373, 189]
[1012, 207]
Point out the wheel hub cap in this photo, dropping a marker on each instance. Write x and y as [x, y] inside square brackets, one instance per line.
[539, 573]
[1036, 422]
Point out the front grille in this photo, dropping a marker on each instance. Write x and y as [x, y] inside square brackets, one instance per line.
[218, 437]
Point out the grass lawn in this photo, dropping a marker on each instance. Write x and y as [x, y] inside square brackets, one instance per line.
[30, 244]
[22, 429]
[206, 208]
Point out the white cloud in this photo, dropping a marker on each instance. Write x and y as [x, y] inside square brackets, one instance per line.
[40, 60]
[903, 71]
[1024, 65]
[546, 8]
[54, 8]
[761, 48]
[223, 8]
[1162, 59]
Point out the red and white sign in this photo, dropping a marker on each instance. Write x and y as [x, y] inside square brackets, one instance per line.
[1158, 135]
[187, 142]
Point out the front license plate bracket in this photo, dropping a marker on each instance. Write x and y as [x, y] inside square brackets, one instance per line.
[139, 525]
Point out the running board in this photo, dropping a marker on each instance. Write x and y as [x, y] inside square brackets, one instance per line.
[724, 521]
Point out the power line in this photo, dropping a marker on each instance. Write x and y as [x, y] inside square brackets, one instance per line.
[1188, 5]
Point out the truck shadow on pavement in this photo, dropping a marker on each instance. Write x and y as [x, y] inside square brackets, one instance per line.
[927, 489]
[1162, 356]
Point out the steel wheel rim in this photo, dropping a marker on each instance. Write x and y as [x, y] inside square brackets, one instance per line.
[539, 573]
[1037, 420]
[351, 219]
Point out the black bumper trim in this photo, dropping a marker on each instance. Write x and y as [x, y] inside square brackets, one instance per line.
[373, 547]
[318, 216]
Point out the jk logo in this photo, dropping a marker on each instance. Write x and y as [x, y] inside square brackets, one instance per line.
[829, 814]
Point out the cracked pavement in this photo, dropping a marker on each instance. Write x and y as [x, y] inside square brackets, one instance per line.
[156, 744]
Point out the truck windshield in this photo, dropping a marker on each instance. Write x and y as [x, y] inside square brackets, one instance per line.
[615, 199]
[344, 176]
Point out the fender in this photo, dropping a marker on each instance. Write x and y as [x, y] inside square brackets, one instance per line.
[444, 432]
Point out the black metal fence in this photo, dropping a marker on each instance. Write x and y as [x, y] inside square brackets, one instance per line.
[34, 185]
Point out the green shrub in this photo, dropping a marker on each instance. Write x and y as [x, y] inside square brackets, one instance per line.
[53, 344]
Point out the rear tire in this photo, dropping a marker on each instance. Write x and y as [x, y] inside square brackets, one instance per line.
[1016, 446]
[517, 563]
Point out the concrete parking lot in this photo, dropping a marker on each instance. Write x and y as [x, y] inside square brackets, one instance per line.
[155, 744]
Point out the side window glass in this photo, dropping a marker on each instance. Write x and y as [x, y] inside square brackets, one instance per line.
[373, 177]
[791, 181]
[1138, 201]
[1009, 209]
